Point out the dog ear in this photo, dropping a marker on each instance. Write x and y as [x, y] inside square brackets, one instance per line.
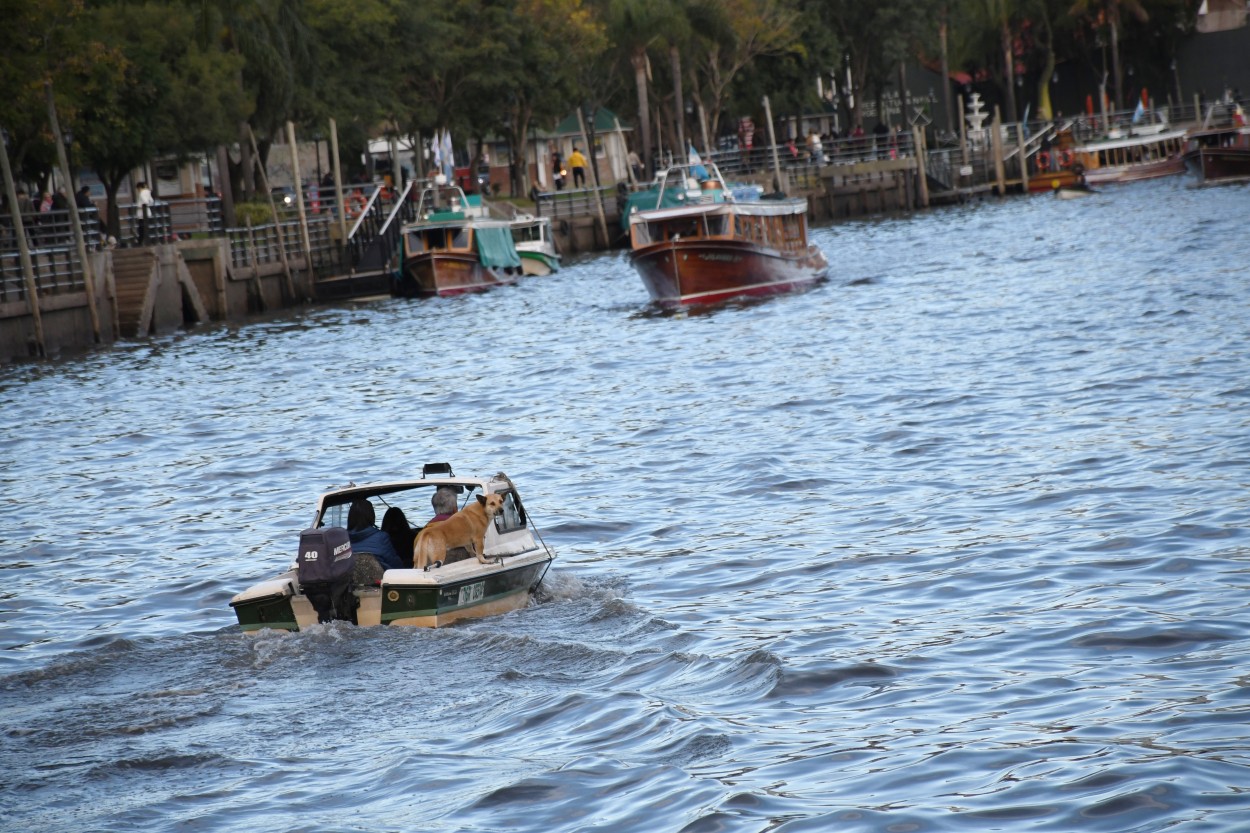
[481, 499]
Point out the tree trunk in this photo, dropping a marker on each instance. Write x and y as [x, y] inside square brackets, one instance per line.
[946, 77]
[1009, 65]
[639, 62]
[674, 57]
[1115, 59]
[247, 166]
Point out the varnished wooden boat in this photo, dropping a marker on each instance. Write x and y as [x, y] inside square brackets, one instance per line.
[701, 244]
[1217, 154]
[453, 248]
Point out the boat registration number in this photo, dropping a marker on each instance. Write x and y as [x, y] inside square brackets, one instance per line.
[471, 593]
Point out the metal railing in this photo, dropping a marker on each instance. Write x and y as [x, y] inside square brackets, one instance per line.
[578, 202]
[51, 230]
[262, 245]
[57, 271]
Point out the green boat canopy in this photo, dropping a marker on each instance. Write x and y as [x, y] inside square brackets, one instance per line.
[648, 199]
[495, 247]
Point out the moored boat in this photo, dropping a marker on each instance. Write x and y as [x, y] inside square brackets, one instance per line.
[1146, 153]
[453, 247]
[536, 245]
[323, 586]
[701, 244]
[1221, 153]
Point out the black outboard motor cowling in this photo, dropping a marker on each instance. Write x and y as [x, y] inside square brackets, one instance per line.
[325, 566]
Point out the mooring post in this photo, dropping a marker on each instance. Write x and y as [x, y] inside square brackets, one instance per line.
[996, 147]
[277, 221]
[338, 184]
[782, 185]
[72, 207]
[23, 250]
[299, 202]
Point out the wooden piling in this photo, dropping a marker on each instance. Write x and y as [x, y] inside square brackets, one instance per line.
[305, 241]
[277, 221]
[996, 147]
[62, 157]
[23, 250]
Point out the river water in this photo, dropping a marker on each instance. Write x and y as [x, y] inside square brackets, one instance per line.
[956, 540]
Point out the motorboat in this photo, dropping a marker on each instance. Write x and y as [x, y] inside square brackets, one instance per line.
[693, 240]
[321, 585]
[535, 243]
[453, 246]
[1220, 153]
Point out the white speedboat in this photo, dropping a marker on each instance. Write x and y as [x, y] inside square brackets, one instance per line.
[320, 586]
[535, 244]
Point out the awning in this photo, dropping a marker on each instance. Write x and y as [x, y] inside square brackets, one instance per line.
[495, 247]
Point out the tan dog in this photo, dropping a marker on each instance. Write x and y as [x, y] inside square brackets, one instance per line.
[466, 528]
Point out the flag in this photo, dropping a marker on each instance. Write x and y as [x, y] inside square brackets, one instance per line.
[1139, 113]
[438, 153]
[449, 158]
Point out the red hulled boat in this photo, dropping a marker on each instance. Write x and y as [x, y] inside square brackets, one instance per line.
[453, 248]
[700, 244]
[1222, 153]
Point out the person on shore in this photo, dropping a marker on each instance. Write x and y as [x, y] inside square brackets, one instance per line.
[635, 165]
[24, 203]
[82, 198]
[578, 163]
[557, 170]
[143, 207]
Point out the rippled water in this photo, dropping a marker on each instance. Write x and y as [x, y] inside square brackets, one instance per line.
[956, 540]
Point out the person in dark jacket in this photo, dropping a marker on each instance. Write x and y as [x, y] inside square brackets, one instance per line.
[372, 547]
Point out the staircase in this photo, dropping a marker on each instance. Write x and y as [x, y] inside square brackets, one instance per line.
[135, 279]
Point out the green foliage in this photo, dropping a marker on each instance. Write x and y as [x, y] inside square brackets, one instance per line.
[254, 213]
[142, 78]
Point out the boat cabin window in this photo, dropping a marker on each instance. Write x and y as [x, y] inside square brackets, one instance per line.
[437, 239]
[717, 225]
[512, 517]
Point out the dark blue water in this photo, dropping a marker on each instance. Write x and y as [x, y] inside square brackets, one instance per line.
[957, 540]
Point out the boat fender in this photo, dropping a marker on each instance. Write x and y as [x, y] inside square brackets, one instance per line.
[564, 227]
[1043, 161]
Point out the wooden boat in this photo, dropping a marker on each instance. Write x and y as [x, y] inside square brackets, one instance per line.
[535, 244]
[1220, 154]
[453, 247]
[462, 588]
[1145, 153]
[699, 243]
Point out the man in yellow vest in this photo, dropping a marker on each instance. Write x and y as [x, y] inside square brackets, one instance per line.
[578, 163]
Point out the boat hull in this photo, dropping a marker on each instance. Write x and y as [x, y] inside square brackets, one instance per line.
[1172, 166]
[538, 264]
[421, 598]
[447, 274]
[683, 272]
[1212, 165]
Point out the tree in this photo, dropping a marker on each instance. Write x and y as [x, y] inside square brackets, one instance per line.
[1109, 13]
[748, 30]
[142, 87]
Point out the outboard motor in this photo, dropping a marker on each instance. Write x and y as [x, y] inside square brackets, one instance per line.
[325, 567]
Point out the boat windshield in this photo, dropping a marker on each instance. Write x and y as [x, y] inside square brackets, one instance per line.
[698, 183]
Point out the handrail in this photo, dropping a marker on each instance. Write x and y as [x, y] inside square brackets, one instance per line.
[398, 210]
[365, 212]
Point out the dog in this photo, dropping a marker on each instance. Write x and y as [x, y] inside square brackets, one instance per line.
[466, 528]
